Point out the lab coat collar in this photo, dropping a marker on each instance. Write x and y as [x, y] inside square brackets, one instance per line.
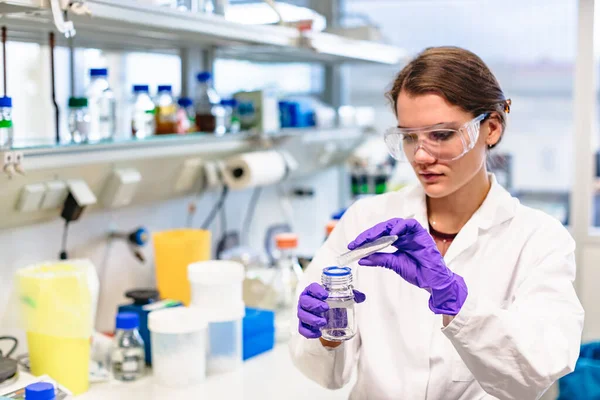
[498, 207]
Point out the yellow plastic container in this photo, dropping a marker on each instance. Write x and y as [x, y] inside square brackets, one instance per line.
[56, 307]
[173, 252]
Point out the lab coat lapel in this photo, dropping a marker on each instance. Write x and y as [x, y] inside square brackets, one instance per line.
[498, 207]
[415, 206]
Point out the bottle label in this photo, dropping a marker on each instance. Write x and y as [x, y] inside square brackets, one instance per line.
[6, 123]
[130, 366]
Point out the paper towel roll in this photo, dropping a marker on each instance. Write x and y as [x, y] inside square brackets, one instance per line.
[254, 169]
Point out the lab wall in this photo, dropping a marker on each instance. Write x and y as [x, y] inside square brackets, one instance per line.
[119, 270]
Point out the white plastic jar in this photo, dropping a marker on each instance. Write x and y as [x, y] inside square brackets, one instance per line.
[179, 345]
[217, 296]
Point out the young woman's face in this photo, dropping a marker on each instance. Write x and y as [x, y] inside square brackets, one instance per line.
[442, 178]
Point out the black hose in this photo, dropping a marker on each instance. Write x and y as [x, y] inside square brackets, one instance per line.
[216, 208]
[15, 345]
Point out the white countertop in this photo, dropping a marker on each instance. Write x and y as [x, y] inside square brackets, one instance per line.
[267, 376]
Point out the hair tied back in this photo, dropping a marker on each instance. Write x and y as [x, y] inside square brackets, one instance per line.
[507, 104]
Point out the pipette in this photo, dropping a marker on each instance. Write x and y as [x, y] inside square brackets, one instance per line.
[366, 250]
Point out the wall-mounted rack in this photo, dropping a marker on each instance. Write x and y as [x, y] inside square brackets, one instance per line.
[161, 161]
[125, 24]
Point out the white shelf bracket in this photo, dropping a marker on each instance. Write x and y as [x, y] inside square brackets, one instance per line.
[63, 26]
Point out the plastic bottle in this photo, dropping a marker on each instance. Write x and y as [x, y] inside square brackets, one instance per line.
[330, 227]
[232, 120]
[79, 120]
[186, 116]
[288, 274]
[142, 116]
[40, 391]
[102, 106]
[210, 116]
[341, 321]
[166, 111]
[128, 357]
[6, 124]
[220, 7]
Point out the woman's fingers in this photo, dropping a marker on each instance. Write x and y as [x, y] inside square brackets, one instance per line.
[377, 231]
[308, 332]
[310, 319]
[359, 297]
[386, 260]
[317, 291]
[312, 305]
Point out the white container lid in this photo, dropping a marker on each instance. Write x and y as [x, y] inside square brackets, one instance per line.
[176, 320]
[216, 272]
[219, 315]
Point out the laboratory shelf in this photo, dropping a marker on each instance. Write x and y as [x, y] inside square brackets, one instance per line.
[127, 25]
[161, 161]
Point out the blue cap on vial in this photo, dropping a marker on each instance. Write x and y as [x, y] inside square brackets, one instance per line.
[5, 101]
[40, 391]
[127, 321]
[141, 88]
[165, 88]
[337, 271]
[185, 102]
[204, 76]
[99, 72]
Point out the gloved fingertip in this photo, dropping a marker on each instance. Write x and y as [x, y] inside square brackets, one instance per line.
[351, 246]
[365, 262]
[308, 332]
[359, 297]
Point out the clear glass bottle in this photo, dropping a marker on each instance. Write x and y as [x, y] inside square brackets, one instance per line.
[186, 116]
[79, 120]
[287, 275]
[6, 124]
[341, 322]
[210, 116]
[232, 120]
[183, 5]
[102, 106]
[142, 115]
[128, 357]
[166, 110]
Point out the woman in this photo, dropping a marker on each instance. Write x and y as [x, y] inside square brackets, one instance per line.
[476, 298]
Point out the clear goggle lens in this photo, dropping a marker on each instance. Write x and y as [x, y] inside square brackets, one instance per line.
[444, 144]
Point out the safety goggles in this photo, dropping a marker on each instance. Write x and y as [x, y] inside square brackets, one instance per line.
[442, 141]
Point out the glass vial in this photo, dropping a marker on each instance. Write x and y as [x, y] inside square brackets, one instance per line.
[142, 115]
[102, 106]
[341, 322]
[210, 116]
[79, 120]
[6, 125]
[128, 357]
[186, 116]
[288, 274]
[166, 111]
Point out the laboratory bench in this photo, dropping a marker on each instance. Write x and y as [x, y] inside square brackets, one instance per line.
[268, 376]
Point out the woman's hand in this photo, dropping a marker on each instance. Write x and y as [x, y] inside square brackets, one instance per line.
[418, 261]
[312, 307]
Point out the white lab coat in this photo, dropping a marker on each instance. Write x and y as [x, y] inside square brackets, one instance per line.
[518, 331]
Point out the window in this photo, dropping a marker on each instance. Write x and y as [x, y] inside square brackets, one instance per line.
[530, 46]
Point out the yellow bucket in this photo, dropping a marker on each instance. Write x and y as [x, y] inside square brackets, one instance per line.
[56, 307]
[173, 252]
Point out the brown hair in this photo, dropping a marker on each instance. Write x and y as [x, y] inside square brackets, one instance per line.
[456, 74]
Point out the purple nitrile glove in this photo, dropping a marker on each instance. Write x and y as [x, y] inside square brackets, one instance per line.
[418, 261]
[312, 307]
